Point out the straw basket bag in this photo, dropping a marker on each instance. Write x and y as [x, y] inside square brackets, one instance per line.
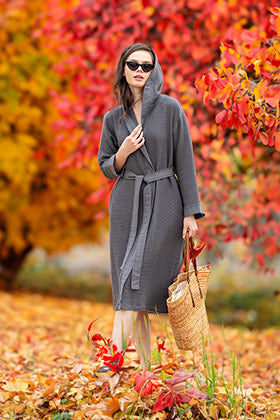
[186, 302]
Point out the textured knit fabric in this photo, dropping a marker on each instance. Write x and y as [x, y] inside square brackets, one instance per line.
[154, 191]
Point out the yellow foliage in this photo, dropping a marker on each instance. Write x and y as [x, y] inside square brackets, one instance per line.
[40, 204]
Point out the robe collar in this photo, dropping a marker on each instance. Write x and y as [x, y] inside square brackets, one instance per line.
[131, 123]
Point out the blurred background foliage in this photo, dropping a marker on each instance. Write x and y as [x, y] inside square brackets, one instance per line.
[57, 63]
[41, 205]
[221, 60]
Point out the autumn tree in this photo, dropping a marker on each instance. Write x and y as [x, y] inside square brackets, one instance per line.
[41, 204]
[246, 81]
[237, 176]
[79, 43]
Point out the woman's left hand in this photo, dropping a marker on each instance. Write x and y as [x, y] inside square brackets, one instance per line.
[190, 222]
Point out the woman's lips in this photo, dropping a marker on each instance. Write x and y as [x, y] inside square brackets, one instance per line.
[138, 77]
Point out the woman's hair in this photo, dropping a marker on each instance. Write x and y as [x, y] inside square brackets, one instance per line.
[121, 87]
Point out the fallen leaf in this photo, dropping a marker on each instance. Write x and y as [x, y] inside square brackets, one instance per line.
[214, 412]
[16, 386]
[113, 381]
[109, 406]
[19, 409]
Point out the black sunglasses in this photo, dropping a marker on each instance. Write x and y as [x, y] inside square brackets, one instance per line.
[146, 67]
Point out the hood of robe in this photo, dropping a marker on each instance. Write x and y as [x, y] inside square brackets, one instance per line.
[152, 89]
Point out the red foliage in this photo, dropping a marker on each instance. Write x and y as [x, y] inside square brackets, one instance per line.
[160, 345]
[106, 350]
[247, 81]
[144, 384]
[237, 162]
[177, 392]
[113, 359]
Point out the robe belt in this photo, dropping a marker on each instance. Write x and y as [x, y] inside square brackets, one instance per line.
[136, 242]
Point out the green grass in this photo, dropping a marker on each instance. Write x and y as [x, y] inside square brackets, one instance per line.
[54, 280]
[249, 307]
[234, 388]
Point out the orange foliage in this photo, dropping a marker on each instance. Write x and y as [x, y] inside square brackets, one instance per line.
[40, 204]
[49, 371]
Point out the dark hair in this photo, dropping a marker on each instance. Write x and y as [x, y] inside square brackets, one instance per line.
[121, 87]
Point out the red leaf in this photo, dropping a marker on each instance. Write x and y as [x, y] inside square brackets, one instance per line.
[250, 66]
[102, 350]
[160, 346]
[178, 377]
[263, 137]
[213, 91]
[221, 116]
[181, 398]
[149, 386]
[206, 98]
[96, 337]
[165, 399]
[272, 101]
[207, 79]
[230, 59]
[196, 393]
[275, 10]
[114, 361]
[252, 53]
[198, 249]
[277, 141]
[249, 36]
[224, 123]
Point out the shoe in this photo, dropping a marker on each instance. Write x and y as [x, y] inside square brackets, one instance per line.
[103, 369]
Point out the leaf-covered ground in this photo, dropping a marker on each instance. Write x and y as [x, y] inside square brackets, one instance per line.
[48, 369]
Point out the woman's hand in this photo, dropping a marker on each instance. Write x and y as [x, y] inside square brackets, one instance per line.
[134, 141]
[190, 222]
[130, 144]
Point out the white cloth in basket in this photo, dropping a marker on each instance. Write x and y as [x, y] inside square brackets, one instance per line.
[177, 293]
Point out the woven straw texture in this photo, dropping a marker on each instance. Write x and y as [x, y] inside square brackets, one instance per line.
[188, 322]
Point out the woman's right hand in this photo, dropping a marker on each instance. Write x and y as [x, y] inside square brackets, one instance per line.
[133, 142]
[130, 144]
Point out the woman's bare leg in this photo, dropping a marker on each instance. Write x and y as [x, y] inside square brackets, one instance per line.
[142, 337]
[122, 329]
[133, 325]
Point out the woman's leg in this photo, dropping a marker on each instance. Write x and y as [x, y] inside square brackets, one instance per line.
[133, 325]
[122, 329]
[142, 337]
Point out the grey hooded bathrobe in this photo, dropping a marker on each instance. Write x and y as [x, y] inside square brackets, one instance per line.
[148, 202]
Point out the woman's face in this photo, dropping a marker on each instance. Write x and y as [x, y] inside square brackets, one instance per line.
[137, 78]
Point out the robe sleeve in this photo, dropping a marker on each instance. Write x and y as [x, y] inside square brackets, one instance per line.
[107, 150]
[185, 166]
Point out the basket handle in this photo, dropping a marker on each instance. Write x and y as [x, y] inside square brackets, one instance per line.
[188, 253]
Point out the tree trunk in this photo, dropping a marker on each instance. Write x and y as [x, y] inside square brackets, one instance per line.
[10, 266]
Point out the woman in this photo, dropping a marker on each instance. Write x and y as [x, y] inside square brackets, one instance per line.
[145, 145]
